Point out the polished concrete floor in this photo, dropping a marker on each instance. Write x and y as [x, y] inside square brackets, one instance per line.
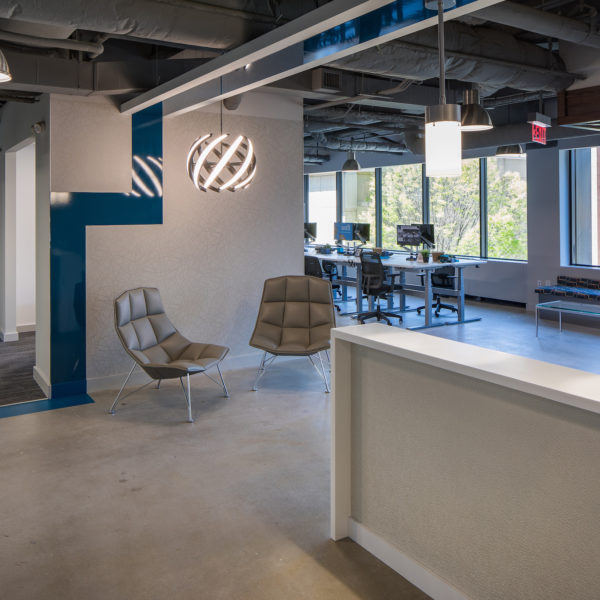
[142, 505]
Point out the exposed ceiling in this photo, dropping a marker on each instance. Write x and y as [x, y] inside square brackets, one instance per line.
[372, 100]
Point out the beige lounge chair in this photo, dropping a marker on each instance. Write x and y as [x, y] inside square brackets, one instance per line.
[295, 319]
[157, 347]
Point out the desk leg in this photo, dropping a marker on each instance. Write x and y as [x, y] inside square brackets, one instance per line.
[537, 312]
[359, 294]
[402, 295]
[428, 297]
[560, 320]
[344, 287]
[461, 294]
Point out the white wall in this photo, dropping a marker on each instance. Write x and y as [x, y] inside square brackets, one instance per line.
[212, 254]
[15, 127]
[25, 242]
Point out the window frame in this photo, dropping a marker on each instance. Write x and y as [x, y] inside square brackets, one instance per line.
[426, 208]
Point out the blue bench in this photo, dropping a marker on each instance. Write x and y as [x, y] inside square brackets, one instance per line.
[571, 287]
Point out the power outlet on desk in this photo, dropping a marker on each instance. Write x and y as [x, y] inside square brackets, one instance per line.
[539, 283]
[548, 282]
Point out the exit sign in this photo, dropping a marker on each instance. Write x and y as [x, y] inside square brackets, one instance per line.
[538, 133]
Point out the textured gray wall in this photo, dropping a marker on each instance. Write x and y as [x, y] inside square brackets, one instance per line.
[212, 254]
[494, 490]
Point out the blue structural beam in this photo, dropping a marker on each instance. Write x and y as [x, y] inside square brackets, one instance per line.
[69, 216]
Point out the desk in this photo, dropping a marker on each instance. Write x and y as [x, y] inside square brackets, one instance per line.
[400, 263]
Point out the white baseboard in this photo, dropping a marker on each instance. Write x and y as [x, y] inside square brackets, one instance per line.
[410, 569]
[27, 327]
[9, 336]
[42, 380]
[114, 382]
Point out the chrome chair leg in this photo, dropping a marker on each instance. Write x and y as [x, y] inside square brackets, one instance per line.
[112, 408]
[158, 384]
[188, 397]
[264, 365]
[321, 373]
[223, 382]
[324, 375]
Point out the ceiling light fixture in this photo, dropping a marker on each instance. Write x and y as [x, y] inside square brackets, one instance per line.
[443, 148]
[510, 151]
[217, 164]
[351, 163]
[474, 116]
[4, 70]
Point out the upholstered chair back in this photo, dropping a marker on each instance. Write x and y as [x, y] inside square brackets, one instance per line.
[144, 328]
[295, 316]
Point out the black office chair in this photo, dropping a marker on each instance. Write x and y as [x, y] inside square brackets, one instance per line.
[440, 278]
[374, 284]
[330, 270]
[312, 267]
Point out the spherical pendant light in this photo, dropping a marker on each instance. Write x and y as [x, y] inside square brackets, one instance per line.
[221, 162]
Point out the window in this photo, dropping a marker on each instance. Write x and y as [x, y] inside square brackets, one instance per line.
[584, 206]
[507, 207]
[401, 199]
[454, 210]
[322, 205]
[358, 199]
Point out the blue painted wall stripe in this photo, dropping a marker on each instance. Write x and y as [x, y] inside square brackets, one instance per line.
[69, 216]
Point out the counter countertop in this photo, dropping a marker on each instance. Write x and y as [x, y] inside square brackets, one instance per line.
[554, 382]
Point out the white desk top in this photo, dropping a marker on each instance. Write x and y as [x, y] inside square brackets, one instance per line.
[560, 384]
[399, 261]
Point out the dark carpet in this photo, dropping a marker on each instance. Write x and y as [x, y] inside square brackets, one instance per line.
[16, 371]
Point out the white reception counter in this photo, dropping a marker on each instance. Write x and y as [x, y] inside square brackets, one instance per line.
[473, 473]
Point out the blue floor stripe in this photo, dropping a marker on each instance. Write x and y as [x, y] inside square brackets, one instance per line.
[25, 408]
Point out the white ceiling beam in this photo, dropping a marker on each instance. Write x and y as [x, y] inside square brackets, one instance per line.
[274, 56]
[308, 25]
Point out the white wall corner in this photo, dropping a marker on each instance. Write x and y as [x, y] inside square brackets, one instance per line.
[42, 380]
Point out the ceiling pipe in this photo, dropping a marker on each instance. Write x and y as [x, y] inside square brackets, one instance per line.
[540, 22]
[92, 48]
[364, 117]
[335, 143]
[329, 126]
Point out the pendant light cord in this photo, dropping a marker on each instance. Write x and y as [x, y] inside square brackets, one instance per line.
[440, 5]
[221, 102]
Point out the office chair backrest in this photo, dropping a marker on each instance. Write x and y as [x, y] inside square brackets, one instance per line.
[443, 277]
[312, 267]
[372, 271]
[295, 317]
[330, 267]
[144, 329]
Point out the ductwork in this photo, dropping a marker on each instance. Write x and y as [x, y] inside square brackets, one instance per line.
[334, 143]
[311, 127]
[176, 22]
[367, 117]
[541, 22]
[471, 56]
[93, 48]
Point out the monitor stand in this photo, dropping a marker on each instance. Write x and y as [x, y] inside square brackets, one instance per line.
[412, 254]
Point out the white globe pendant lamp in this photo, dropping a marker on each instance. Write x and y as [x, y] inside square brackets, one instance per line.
[443, 145]
[4, 70]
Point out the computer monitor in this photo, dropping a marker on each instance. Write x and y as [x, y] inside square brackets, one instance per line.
[310, 231]
[343, 232]
[361, 232]
[408, 235]
[427, 233]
